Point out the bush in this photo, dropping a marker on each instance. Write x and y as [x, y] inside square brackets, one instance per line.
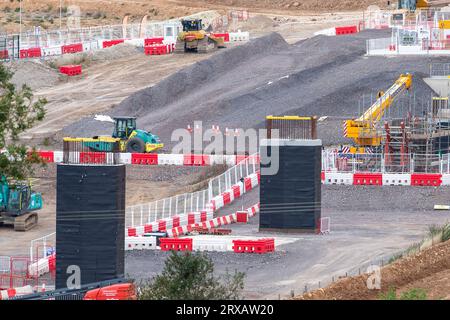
[190, 276]
[413, 294]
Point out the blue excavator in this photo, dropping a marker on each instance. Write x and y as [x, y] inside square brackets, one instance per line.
[18, 204]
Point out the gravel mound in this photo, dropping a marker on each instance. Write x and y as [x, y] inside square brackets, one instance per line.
[33, 73]
[238, 87]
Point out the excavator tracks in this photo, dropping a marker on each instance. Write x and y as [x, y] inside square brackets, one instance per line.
[26, 222]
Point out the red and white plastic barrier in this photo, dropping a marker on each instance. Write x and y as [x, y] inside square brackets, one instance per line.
[150, 158]
[386, 179]
[43, 266]
[14, 292]
[337, 31]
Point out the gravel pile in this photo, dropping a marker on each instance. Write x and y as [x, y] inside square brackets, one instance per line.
[238, 87]
[33, 73]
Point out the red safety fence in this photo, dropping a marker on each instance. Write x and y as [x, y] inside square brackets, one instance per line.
[226, 198]
[162, 225]
[156, 50]
[176, 244]
[236, 191]
[72, 48]
[225, 36]
[426, 179]
[4, 54]
[71, 70]
[30, 53]
[196, 160]
[110, 43]
[93, 157]
[254, 246]
[368, 179]
[346, 30]
[144, 158]
[153, 41]
[242, 217]
[247, 184]
[47, 156]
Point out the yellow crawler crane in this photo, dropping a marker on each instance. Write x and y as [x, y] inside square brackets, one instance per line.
[363, 130]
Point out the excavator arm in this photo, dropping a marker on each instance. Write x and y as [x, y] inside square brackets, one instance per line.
[364, 129]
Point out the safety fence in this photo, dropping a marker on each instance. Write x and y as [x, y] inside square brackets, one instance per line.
[333, 161]
[138, 215]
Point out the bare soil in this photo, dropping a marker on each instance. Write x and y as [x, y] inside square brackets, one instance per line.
[47, 13]
[428, 270]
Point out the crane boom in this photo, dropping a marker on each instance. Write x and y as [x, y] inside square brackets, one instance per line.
[364, 129]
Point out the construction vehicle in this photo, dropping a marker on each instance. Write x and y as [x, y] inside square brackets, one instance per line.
[18, 204]
[365, 131]
[413, 5]
[125, 138]
[195, 39]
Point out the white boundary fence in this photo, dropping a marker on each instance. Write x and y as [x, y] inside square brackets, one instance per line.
[39, 247]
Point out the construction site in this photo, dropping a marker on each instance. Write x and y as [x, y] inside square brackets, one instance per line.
[305, 144]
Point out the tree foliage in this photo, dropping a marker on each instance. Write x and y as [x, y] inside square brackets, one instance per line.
[19, 111]
[190, 276]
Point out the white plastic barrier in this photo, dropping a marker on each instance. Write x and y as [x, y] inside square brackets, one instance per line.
[211, 245]
[338, 178]
[171, 159]
[51, 51]
[445, 180]
[125, 158]
[326, 32]
[140, 243]
[135, 42]
[239, 36]
[396, 179]
[91, 46]
[58, 156]
[40, 267]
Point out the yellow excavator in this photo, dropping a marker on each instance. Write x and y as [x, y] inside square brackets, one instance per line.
[365, 131]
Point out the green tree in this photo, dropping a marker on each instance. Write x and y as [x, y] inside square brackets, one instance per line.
[190, 276]
[18, 112]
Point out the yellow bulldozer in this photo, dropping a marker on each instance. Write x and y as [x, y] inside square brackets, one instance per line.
[195, 39]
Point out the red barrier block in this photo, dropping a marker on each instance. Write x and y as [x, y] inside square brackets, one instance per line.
[4, 54]
[200, 160]
[162, 225]
[254, 246]
[203, 216]
[368, 179]
[92, 157]
[226, 198]
[242, 217]
[144, 158]
[322, 176]
[30, 53]
[72, 48]
[52, 262]
[153, 41]
[155, 50]
[247, 184]
[346, 30]
[71, 70]
[47, 156]
[425, 179]
[191, 218]
[236, 191]
[176, 244]
[148, 228]
[132, 232]
[225, 36]
[110, 43]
